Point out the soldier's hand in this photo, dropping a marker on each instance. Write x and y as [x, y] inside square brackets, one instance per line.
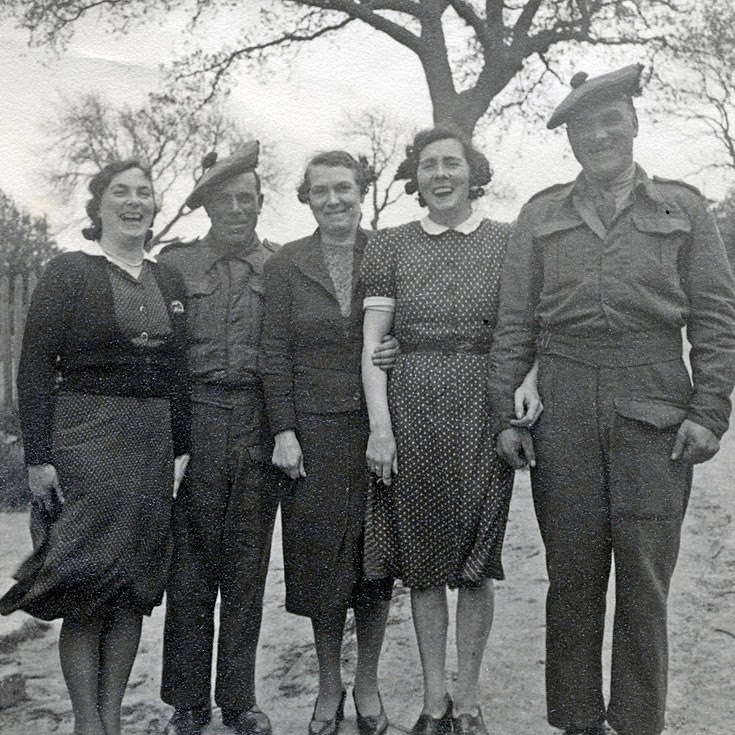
[694, 443]
[515, 446]
[287, 454]
[385, 354]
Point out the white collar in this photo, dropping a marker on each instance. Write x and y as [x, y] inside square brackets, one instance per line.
[92, 247]
[466, 227]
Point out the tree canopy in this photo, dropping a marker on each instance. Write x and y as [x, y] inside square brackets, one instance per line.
[25, 243]
[475, 54]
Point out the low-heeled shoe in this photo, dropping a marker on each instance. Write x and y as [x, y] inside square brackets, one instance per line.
[328, 727]
[428, 725]
[188, 721]
[467, 724]
[600, 729]
[371, 725]
[251, 721]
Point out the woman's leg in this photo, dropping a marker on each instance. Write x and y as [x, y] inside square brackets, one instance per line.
[79, 652]
[328, 632]
[118, 646]
[371, 617]
[430, 620]
[475, 608]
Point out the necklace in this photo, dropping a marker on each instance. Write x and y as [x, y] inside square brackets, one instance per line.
[122, 260]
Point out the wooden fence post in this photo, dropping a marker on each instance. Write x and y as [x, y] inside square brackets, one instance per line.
[6, 344]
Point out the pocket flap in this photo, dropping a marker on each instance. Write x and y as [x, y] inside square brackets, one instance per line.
[553, 226]
[201, 287]
[661, 224]
[661, 414]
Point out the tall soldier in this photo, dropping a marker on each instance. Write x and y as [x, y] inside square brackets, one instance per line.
[600, 278]
[226, 506]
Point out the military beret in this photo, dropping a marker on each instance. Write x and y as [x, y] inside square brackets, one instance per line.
[217, 172]
[621, 84]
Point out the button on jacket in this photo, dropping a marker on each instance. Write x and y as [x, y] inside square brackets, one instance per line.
[225, 292]
[660, 266]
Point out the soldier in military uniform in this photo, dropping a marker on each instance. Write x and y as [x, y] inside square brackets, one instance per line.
[226, 506]
[600, 278]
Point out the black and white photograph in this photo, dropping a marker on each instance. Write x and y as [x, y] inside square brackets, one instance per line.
[366, 367]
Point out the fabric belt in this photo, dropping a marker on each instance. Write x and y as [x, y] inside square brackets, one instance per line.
[225, 396]
[626, 349]
[447, 347]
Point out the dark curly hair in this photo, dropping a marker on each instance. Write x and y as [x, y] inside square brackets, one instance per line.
[97, 187]
[363, 172]
[480, 171]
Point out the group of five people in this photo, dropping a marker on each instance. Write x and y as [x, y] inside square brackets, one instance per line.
[382, 389]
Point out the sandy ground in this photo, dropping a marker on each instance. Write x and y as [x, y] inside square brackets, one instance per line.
[702, 625]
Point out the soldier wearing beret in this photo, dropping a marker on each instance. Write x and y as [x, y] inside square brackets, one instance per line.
[226, 506]
[600, 278]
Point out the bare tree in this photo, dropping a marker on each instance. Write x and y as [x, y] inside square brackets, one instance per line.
[380, 139]
[89, 132]
[696, 85]
[474, 53]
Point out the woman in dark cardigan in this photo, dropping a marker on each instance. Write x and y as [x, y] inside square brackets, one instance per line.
[104, 410]
[311, 347]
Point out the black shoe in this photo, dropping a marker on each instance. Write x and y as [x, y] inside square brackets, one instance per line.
[373, 725]
[467, 724]
[428, 725]
[591, 730]
[251, 721]
[328, 727]
[188, 721]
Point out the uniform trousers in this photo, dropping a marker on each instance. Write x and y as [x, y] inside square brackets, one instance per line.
[223, 524]
[605, 489]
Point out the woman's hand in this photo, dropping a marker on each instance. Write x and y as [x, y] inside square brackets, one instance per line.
[381, 455]
[180, 464]
[45, 488]
[385, 354]
[528, 406]
[287, 454]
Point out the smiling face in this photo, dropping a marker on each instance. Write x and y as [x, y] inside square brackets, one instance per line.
[602, 139]
[127, 206]
[233, 208]
[443, 176]
[335, 199]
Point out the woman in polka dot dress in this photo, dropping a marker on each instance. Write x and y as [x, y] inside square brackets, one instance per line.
[437, 514]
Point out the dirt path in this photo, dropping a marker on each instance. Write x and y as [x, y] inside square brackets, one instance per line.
[702, 623]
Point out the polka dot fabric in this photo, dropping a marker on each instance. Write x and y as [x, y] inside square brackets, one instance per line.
[443, 520]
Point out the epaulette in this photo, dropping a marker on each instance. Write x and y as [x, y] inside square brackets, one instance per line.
[661, 180]
[174, 245]
[270, 246]
[552, 189]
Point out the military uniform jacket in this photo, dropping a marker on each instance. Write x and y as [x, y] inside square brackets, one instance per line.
[660, 266]
[225, 298]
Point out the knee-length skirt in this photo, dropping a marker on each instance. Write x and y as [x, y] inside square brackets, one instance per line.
[109, 547]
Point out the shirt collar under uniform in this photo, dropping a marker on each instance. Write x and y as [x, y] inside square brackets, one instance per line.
[466, 227]
[255, 257]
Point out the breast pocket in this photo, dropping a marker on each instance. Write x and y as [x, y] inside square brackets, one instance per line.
[202, 297]
[568, 257]
[659, 240]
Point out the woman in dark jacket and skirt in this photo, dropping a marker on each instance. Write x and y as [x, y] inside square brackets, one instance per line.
[104, 410]
[310, 364]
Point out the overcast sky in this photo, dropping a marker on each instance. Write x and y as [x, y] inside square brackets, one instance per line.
[296, 110]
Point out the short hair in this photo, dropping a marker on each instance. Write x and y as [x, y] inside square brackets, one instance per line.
[480, 171]
[361, 170]
[98, 186]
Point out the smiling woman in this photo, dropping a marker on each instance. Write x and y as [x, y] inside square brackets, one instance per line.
[104, 409]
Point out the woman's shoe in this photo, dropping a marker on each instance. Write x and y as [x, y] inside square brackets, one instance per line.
[467, 724]
[428, 725]
[374, 725]
[328, 727]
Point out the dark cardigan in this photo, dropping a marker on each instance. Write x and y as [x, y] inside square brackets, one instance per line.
[72, 342]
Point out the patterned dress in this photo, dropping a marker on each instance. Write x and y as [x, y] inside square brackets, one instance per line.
[442, 521]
